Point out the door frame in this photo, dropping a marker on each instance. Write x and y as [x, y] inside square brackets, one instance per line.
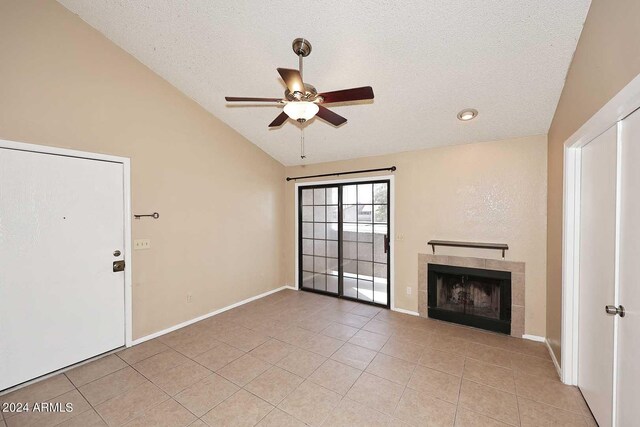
[392, 213]
[620, 106]
[126, 167]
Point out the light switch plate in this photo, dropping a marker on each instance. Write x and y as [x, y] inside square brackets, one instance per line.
[140, 244]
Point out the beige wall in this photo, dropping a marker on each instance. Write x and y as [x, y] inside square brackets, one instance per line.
[605, 60]
[492, 191]
[220, 198]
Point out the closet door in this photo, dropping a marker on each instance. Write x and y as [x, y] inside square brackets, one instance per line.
[597, 274]
[628, 378]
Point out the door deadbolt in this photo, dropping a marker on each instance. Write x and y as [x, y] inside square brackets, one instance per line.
[116, 253]
[613, 310]
[118, 266]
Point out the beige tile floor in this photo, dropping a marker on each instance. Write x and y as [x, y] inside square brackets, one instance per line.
[295, 359]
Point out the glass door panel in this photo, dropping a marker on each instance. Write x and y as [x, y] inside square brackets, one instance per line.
[365, 226]
[344, 240]
[319, 239]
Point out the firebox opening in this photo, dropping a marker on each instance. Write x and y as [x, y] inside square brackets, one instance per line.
[470, 296]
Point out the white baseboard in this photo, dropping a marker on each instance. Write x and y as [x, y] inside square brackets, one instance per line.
[205, 316]
[534, 338]
[553, 358]
[402, 310]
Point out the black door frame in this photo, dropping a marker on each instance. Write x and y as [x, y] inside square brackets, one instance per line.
[339, 185]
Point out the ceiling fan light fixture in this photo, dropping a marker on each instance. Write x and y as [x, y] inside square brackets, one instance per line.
[467, 114]
[301, 110]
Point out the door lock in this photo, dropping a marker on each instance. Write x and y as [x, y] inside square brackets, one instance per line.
[613, 310]
[116, 253]
[118, 266]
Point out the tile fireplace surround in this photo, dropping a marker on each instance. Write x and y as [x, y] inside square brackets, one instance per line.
[517, 282]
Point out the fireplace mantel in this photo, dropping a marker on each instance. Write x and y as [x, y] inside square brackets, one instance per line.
[517, 270]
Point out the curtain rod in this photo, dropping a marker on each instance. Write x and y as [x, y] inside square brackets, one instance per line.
[392, 169]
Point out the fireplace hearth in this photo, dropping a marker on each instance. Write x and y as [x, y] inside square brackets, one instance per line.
[470, 296]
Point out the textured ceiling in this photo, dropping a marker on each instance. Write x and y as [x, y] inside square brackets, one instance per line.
[426, 60]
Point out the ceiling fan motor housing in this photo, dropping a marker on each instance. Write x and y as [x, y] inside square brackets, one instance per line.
[310, 94]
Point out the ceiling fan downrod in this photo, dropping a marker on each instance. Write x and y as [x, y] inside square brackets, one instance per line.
[302, 48]
[300, 65]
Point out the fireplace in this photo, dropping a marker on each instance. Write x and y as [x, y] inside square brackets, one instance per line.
[470, 296]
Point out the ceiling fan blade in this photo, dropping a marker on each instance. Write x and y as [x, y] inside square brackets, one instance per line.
[292, 79]
[328, 115]
[279, 120]
[243, 99]
[355, 94]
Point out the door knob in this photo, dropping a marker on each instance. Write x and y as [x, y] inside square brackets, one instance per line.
[613, 310]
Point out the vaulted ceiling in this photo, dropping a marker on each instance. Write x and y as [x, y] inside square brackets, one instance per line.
[426, 61]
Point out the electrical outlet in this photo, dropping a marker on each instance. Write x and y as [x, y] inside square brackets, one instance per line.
[140, 244]
[189, 297]
[408, 290]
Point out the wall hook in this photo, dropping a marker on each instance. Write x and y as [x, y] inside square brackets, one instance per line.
[154, 215]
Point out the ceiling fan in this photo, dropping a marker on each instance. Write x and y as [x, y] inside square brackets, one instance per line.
[301, 100]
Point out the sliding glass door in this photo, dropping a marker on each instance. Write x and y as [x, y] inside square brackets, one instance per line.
[344, 240]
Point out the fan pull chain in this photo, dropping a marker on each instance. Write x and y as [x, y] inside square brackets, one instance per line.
[302, 156]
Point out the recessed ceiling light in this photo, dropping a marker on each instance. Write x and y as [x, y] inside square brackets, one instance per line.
[467, 114]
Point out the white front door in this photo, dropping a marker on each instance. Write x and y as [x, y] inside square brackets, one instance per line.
[628, 409]
[597, 274]
[61, 220]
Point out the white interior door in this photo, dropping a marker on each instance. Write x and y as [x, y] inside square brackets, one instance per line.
[597, 274]
[628, 375]
[61, 219]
